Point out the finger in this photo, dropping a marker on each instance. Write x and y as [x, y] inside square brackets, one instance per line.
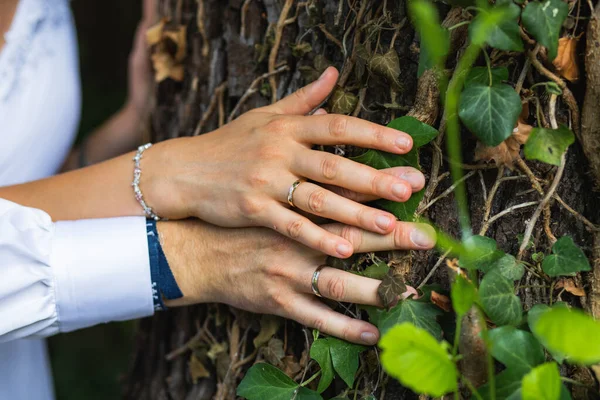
[308, 310]
[341, 286]
[321, 202]
[305, 99]
[405, 236]
[320, 111]
[333, 129]
[148, 11]
[339, 171]
[413, 176]
[301, 229]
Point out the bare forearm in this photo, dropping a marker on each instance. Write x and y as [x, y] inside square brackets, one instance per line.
[98, 191]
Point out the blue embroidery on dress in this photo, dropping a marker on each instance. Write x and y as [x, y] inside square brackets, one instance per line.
[23, 46]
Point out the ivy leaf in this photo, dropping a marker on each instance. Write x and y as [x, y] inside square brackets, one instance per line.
[463, 294]
[342, 102]
[518, 350]
[387, 65]
[344, 356]
[507, 382]
[403, 211]
[319, 351]
[569, 332]
[481, 76]
[543, 382]
[265, 382]
[567, 259]
[508, 267]
[420, 132]
[375, 271]
[499, 27]
[381, 159]
[418, 361]
[480, 252]
[534, 314]
[499, 300]
[269, 325]
[548, 145]
[390, 288]
[435, 40]
[544, 20]
[490, 112]
[422, 315]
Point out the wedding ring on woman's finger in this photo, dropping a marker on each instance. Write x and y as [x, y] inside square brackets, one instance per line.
[291, 190]
[315, 280]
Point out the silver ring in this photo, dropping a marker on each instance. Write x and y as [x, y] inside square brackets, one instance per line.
[315, 280]
[291, 190]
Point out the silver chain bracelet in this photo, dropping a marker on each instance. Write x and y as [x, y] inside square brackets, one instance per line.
[137, 172]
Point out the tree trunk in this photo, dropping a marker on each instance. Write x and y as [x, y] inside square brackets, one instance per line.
[242, 55]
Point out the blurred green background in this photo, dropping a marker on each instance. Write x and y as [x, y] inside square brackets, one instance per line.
[89, 364]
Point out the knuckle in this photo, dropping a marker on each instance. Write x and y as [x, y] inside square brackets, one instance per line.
[400, 238]
[277, 125]
[338, 127]
[317, 200]
[378, 134]
[257, 178]
[379, 180]
[330, 166]
[353, 235]
[251, 206]
[362, 216]
[347, 332]
[336, 287]
[294, 228]
[320, 324]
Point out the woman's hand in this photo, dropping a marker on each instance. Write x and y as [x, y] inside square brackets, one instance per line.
[240, 174]
[261, 271]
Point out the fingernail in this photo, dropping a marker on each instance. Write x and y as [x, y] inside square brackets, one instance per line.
[323, 74]
[343, 249]
[383, 221]
[415, 178]
[422, 238]
[403, 142]
[399, 190]
[368, 337]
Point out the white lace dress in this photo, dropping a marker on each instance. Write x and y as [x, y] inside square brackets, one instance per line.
[54, 277]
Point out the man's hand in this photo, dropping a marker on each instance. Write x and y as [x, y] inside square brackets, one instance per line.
[261, 271]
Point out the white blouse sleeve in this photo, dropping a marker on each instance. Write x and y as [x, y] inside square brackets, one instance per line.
[58, 277]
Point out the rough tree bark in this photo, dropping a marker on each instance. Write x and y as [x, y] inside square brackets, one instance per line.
[241, 55]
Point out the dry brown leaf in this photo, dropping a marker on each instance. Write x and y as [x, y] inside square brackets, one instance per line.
[178, 37]
[507, 152]
[290, 366]
[453, 265]
[154, 33]
[269, 325]
[440, 300]
[167, 62]
[596, 369]
[197, 369]
[566, 59]
[570, 286]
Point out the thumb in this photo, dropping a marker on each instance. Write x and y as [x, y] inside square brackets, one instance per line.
[305, 99]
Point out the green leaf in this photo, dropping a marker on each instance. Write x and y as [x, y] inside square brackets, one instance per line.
[435, 40]
[534, 314]
[265, 382]
[342, 102]
[422, 315]
[490, 112]
[335, 354]
[544, 20]
[387, 65]
[425, 62]
[463, 294]
[498, 299]
[567, 259]
[543, 382]
[391, 287]
[344, 356]
[380, 159]
[376, 271]
[420, 132]
[518, 350]
[499, 27]
[481, 76]
[319, 351]
[507, 382]
[569, 332]
[404, 211]
[509, 267]
[418, 361]
[479, 252]
[548, 145]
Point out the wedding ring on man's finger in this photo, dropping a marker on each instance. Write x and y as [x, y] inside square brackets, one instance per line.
[291, 190]
[315, 280]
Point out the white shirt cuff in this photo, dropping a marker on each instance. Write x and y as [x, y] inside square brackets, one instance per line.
[102, 271]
